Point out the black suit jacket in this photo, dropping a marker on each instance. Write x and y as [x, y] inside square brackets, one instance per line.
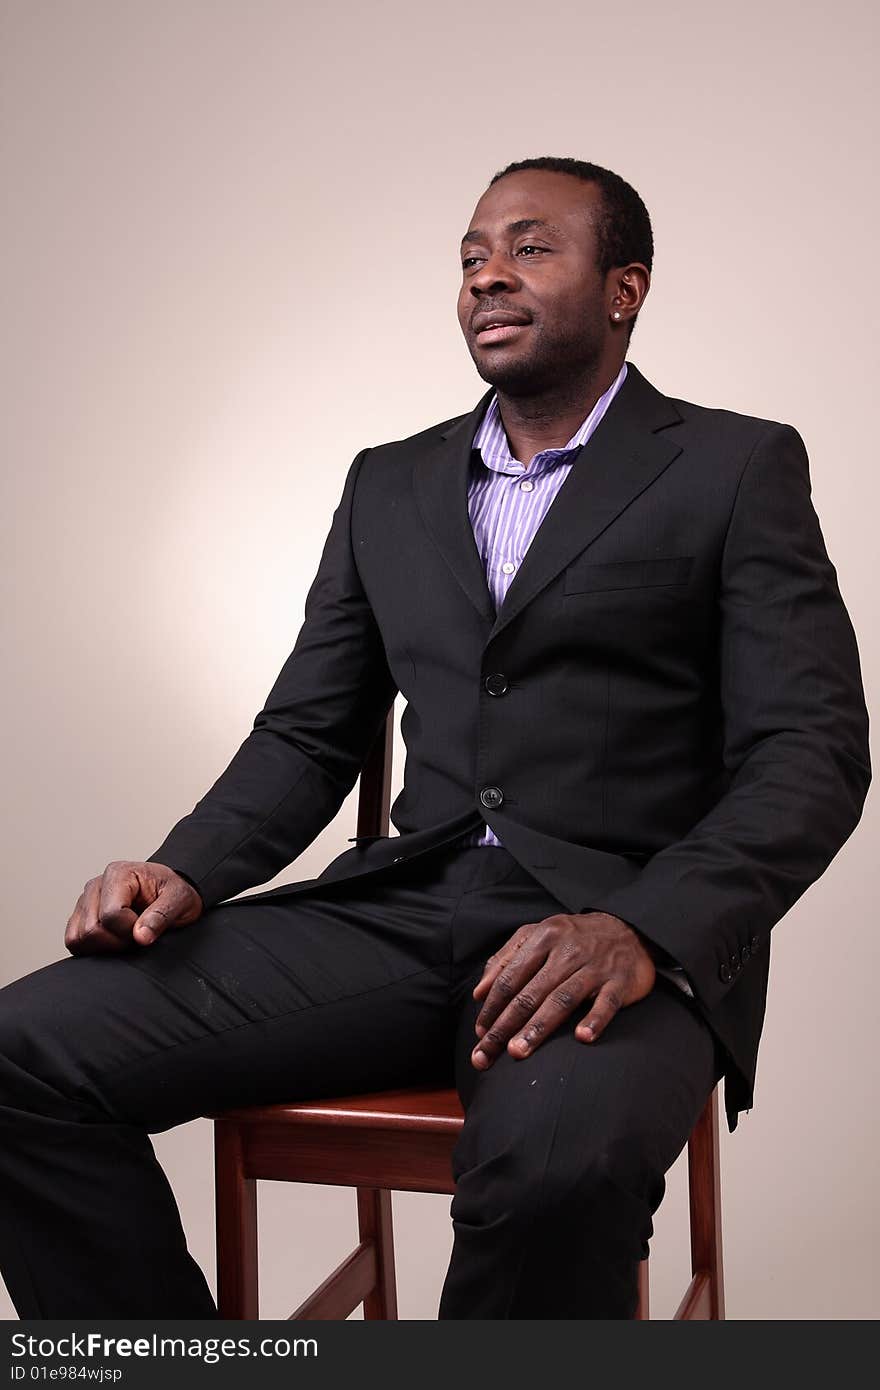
[681, 737]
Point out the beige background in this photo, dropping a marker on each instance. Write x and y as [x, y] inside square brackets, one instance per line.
[230, 262]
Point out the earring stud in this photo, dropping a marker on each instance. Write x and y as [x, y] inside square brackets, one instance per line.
[616, 314]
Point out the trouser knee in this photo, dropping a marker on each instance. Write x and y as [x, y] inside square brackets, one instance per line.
[38, 1070]
[606, 1195]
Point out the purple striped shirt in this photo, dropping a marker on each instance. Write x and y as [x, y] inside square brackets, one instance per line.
[508, 500]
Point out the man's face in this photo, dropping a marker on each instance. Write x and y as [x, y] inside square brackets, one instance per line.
[545, 274]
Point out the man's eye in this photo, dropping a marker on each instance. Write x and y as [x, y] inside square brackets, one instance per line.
[469, 259]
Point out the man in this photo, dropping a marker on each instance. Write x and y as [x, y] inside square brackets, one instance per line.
[636, 732]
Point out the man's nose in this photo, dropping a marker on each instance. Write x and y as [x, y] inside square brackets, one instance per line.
[497, 270]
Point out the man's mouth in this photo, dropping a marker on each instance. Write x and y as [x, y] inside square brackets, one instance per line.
[497, 325]
[499, 333]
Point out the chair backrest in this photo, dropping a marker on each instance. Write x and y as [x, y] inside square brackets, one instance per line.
[374, 795]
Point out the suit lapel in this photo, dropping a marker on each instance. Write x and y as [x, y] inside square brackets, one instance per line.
[622, 457]
[440, 483]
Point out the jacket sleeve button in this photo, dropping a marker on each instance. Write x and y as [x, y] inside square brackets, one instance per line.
[724, 972]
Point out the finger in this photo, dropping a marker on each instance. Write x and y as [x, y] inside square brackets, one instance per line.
[522, 1037]
[157, 917]
[512, 974]
[497, 961]
[96, 941]
[85, 923]
[71, 931]
[84, 934]
[524, 1006]
[119, 889]
[486, 978]
[607, 1003]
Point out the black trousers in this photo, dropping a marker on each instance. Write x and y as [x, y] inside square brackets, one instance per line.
[355, 986]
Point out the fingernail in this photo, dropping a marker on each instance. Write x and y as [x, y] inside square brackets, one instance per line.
[478, 1056]
[480, 1030]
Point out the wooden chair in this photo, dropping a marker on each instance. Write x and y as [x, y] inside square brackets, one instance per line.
[395, 1141]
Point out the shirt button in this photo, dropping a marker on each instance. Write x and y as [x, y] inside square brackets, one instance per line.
[496, 684]
[526, 485]
[508, 567]
[491, 796]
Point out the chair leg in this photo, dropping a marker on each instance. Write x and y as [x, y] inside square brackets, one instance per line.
[705, 1299]
[374, 1226]
[236, 1200]
[642, 1312]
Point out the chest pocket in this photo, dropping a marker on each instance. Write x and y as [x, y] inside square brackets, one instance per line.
[587, 576]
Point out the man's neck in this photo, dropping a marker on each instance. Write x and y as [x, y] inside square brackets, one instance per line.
[549, 419]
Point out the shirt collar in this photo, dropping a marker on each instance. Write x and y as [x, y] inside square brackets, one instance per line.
[491, 439]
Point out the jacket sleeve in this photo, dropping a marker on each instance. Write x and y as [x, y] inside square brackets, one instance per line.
[795, 737]
[308, 743]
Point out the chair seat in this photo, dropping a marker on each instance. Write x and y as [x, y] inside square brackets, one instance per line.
[427, 1110]
[400, 1140]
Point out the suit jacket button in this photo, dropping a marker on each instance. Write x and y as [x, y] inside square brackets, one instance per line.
[496, 684]
[491, 796]
[724, 972]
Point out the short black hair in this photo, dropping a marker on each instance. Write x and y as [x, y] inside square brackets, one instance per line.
[623, 232]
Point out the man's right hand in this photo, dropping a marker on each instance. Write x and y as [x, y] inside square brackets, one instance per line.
[129, 903]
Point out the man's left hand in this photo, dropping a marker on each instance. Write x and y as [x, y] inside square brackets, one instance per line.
[547, 969]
